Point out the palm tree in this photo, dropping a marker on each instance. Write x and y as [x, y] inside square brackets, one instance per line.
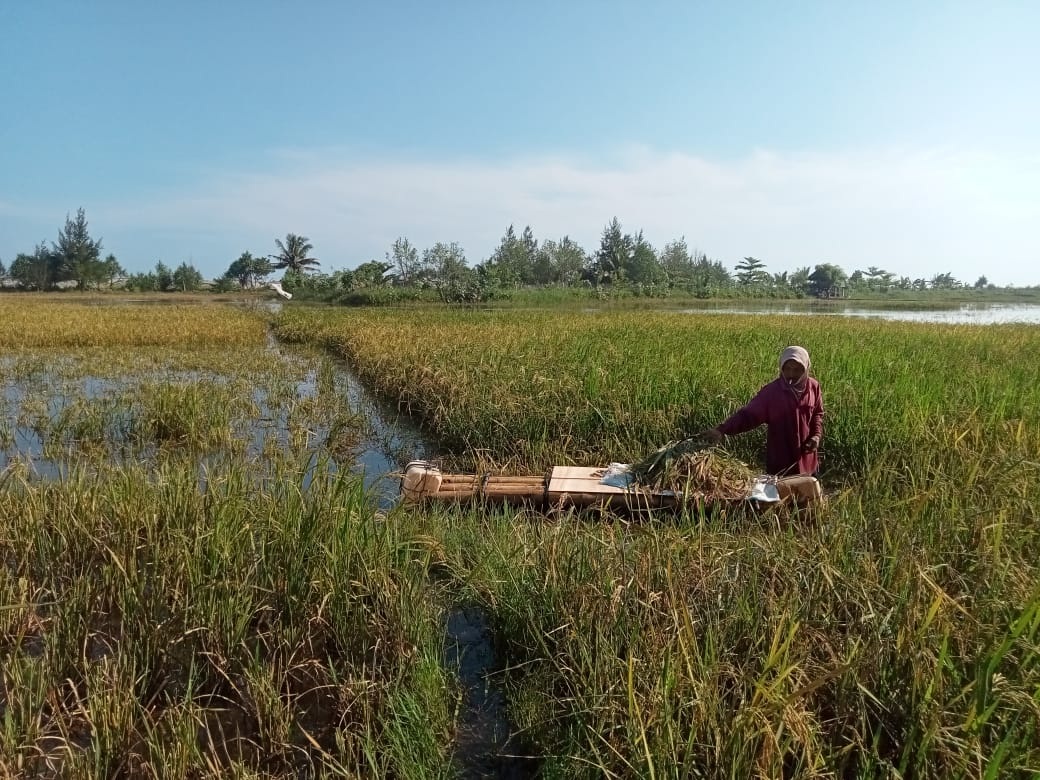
[293, 254]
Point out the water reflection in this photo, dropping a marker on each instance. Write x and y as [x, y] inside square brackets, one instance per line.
[319, 413]
[968, 313]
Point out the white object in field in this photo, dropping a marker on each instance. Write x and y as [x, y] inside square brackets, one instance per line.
[421, 478]
[764, 489]
[277, 287]
[618, 475]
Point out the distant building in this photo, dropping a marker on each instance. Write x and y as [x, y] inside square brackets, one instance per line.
[836, 291]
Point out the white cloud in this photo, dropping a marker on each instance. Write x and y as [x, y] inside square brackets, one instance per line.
[915, 213]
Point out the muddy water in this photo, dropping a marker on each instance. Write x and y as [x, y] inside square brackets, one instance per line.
[390, 441]
[485, 745]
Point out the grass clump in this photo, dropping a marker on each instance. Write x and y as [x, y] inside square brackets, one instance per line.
[197, 414]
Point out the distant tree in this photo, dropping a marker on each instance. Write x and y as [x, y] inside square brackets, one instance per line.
[857, 279]
[513, 262]
[35, 271]
[981, 283]
[709, 276]
[144, 282]
[110, 269]
[509, 263]
[879, 278]
[825, 276]
[248, 270]
[366, 275]
[799, 281]
[676, 260]
[751, 271]
[294, 254]
[530, 247]
[187, 278]
[78, 254]
[404, 260]
[560, 262]
[642, 266]
[444, 268]
[945, 281]
[445, 264]
[225, 283]
[615, 252]
[163, 277]
[544, 269]
[3, 269]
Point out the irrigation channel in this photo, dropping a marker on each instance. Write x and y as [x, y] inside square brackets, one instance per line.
[388, 442]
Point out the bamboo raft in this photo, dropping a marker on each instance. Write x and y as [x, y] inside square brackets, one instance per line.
[582, 486]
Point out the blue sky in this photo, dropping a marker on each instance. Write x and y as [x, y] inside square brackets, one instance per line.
[903, 135]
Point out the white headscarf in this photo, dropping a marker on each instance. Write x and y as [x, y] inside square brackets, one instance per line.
[801, 356]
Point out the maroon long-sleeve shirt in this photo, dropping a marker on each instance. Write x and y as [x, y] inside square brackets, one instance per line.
[791, 420]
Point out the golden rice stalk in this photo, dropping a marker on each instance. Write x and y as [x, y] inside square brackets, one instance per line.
[691, 466]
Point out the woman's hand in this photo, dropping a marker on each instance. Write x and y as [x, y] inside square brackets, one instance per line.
[811, 444]
[714, 435]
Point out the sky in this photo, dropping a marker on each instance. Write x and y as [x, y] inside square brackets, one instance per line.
[902, 135]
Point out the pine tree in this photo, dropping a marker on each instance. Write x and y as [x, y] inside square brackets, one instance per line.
[78, 256]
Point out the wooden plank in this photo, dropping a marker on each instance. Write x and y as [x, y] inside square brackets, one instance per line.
[579, 479]
[584, 486]
[575, 472]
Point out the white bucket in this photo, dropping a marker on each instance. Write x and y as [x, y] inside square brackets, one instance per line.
[421, 479]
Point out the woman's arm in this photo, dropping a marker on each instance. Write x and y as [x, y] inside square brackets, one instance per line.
[750, 416]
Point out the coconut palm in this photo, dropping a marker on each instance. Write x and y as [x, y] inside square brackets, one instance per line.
[293, 254]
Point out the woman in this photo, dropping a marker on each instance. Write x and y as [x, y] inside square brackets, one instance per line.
[792, 408]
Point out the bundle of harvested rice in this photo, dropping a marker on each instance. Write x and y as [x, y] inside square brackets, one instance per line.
[694, 467]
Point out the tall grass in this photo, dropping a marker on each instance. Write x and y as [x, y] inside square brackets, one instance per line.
[895, 633]
[150, 628]
[201, 591]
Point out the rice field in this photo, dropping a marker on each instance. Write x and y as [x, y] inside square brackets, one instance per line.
[894, 634]
[194, 581]
[202, 587]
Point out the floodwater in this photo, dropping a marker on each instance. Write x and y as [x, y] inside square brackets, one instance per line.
[962, 314]
[386, 441]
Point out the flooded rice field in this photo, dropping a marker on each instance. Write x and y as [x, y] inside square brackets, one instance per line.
[279, 409]
[267, 406]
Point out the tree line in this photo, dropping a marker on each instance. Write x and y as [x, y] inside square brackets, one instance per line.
[623, 260]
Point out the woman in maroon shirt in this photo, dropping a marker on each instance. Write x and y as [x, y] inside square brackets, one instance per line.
[792, 408]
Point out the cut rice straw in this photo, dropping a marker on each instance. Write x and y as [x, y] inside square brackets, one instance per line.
[692, 466]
